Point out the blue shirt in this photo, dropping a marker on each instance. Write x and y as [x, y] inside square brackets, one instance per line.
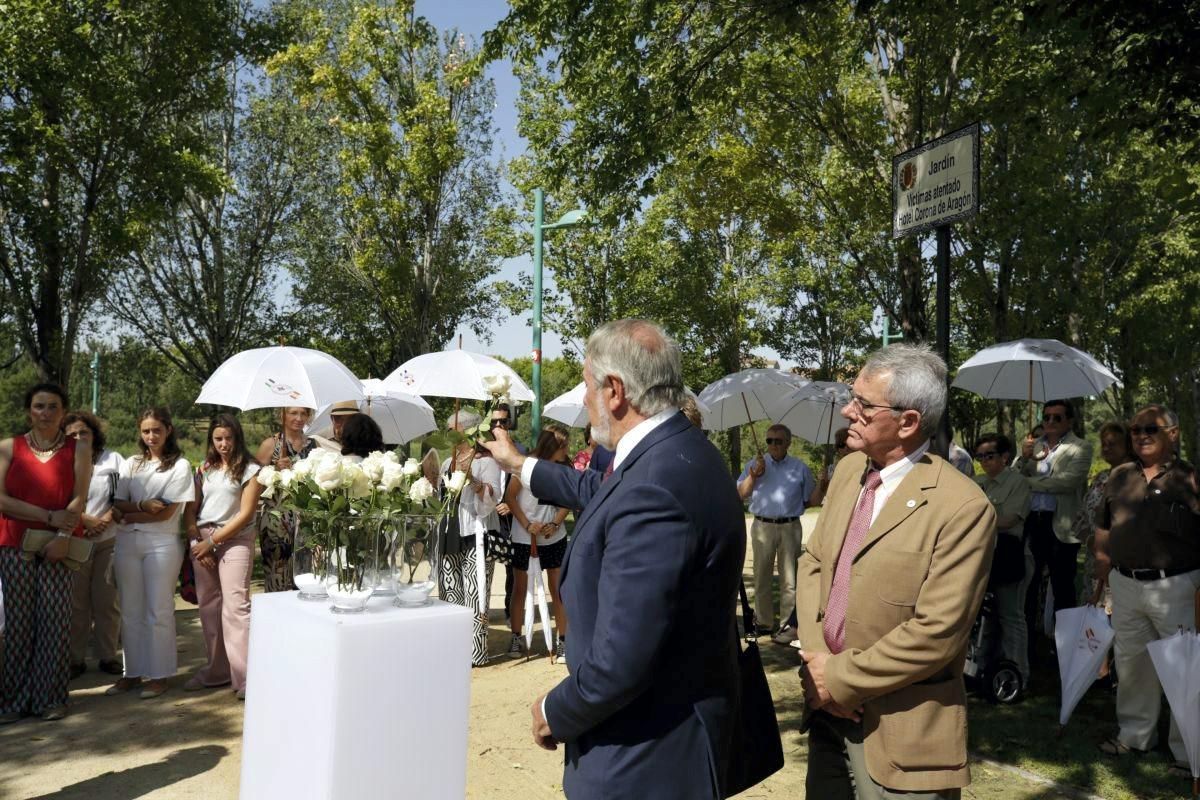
[783, 490]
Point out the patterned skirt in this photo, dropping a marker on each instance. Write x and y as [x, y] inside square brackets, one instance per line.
[37, 633]
[277, 535]
[458, 583]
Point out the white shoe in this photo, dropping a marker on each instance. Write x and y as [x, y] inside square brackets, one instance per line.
[785, 635]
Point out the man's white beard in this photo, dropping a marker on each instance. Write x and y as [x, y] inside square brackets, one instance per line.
[602, 429]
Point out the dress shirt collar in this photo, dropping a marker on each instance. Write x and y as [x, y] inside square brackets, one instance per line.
[638, 432]
[891, 475]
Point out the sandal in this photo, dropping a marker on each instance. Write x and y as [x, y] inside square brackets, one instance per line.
[1115, 747]
[123, 685]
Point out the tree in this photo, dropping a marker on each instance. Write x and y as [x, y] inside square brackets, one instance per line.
[393, 262]
[97, 102]
[204, 284]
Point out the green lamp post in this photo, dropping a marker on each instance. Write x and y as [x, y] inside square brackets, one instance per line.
[574, 217]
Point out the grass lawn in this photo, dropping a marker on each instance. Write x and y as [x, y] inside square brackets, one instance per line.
[1026, 735]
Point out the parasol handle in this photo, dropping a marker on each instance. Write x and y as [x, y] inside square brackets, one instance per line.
[1029, 403]
[1197, 620]
[1195, 788]
[750, 422]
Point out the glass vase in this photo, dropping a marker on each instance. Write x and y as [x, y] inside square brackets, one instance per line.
[389, 543]
[414, 578]
[353, 562]
[310, 556]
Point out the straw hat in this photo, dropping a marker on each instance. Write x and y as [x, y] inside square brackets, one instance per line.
[343, 408]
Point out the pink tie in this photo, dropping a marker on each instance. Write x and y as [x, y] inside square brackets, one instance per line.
[607, 472]
[839, 593]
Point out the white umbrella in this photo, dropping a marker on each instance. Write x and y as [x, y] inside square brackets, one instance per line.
[273, 377]
[568, 408]
[743, 397]
[535, 590]
[401, 417]
[461, 374]
[1177, 662]
[1082, 637]
[1033, 369]
[812, 411]
[454, 373]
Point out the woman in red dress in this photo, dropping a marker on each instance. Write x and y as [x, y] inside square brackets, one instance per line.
[44, 480]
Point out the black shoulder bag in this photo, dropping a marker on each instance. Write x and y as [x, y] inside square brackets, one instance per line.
[756, 751]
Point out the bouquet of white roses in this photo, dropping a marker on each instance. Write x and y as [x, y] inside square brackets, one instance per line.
[349, 508]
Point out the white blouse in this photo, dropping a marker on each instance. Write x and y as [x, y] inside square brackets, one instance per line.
[221, 497]
[141, 480]
[103, 488]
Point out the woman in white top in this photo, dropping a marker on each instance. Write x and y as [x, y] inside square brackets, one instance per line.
[151, 491]
[458, 573]
[221, 532]
[534, 520]
[94, 608]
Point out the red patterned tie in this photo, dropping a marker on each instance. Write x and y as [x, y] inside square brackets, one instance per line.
[839, 593]
[608, 472]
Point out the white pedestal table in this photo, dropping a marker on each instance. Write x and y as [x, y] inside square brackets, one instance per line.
[356, 706]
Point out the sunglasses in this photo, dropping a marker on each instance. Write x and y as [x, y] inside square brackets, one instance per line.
[986, 456]
[1149, 430]
[1052, 418]
[772, 440]
[500, 423]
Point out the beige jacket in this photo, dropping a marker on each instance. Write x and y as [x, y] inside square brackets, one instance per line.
[916, 586]
[1067, 481]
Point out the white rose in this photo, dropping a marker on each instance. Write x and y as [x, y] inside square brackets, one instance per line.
[496, 385]
[286, 478]
[304, 467]
[327, 474]
[372, 465]
[361, 485]
[456, 482]
[391, 456]
[392, 478]
[266, 476]
[420, 491]
[412, 468]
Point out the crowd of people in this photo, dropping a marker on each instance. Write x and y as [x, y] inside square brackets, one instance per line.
[93, 548]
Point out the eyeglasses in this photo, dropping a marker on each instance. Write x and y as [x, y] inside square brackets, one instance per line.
[858, 405]
[988, 456]
[1150, 430]
[773, 440]
[500, 423]
[1052, 418]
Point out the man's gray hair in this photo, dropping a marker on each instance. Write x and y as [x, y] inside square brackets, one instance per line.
[644, 358]
[1169, 417]
[916, 381]
[464, 418]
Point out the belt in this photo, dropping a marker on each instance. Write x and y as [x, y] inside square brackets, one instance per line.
[776, 520]
[1152, 574]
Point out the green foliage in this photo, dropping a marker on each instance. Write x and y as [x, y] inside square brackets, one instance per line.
[96, 142]
[394, 254]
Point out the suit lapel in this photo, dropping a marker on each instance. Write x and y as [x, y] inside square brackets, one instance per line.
[664, 431]
[908, 497]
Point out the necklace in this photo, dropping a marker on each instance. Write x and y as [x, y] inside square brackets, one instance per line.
[49, 449]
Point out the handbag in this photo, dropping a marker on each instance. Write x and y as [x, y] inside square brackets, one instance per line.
[756, 749]
[497, 546]
[35, 540]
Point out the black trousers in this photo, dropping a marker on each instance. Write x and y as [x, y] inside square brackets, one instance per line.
[1049, 555]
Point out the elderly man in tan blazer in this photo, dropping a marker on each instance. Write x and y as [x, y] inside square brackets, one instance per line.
[889, 587]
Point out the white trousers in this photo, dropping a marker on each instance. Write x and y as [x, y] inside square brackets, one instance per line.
[147, 570]
[772, 541]
[1144, 611]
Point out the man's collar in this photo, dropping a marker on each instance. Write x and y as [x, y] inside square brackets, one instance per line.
[634, 435]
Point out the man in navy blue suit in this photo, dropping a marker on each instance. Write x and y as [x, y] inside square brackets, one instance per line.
[649, 583]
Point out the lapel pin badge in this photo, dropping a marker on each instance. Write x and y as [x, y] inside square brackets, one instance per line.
[911, 503]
